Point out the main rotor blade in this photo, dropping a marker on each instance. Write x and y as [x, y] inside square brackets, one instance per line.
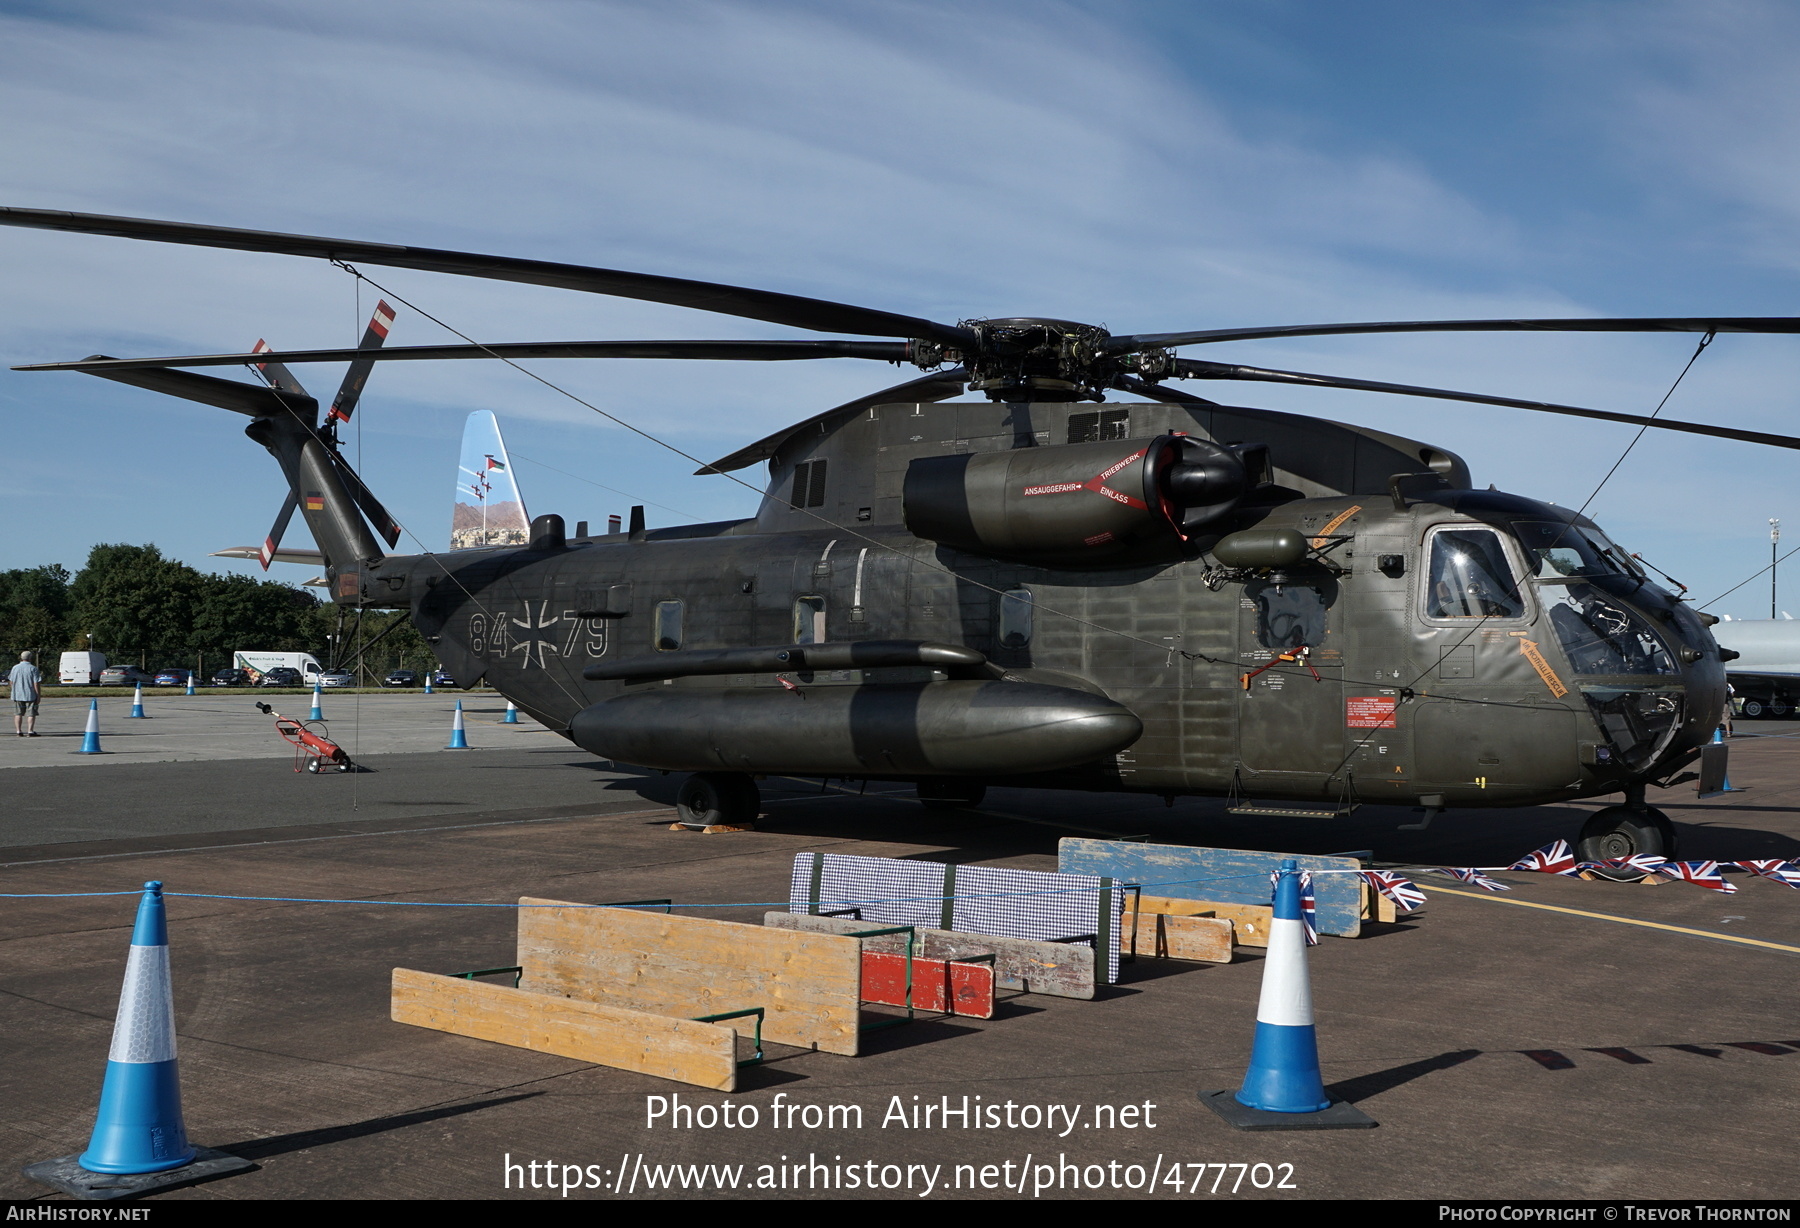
[750, 351]
[819, 315]
[251, 399]
[350, 390]
[272, 370]
[1156, 392]
[1647, 324]
[1189, 368]
[938, 386]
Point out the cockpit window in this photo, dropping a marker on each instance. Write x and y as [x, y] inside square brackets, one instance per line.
[1470, 577]
[1604, 636]
[1569, 552]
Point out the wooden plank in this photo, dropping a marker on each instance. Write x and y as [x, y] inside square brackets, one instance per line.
[1056, 969]
[937, 984]
[1166, 936]
[1377, 907]
[1224, 876]
[703, 1054]
[1250, 922]
[669, 965]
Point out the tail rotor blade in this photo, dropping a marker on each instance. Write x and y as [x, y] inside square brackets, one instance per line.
[386, 525]
[272, 542]
[276, 373]
[350, 391]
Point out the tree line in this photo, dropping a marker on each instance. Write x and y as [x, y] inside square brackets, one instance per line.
[140, 608]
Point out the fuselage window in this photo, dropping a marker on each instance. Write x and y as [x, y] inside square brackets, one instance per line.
[1470, 577]
[1096, 426]
[668, 626]
[809, 620]
[809, 485]
[1015, 618]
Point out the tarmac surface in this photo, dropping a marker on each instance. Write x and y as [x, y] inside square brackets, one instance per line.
[1506, 1051]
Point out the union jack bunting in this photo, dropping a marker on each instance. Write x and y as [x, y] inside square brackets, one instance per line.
[1405, 896]
[1700, 873]
[1309, 907]
[1786, 873]
[1553, 858]
[1647, 862]
[1473, 877]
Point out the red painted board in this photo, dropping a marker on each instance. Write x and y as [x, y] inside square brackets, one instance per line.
[970, 986]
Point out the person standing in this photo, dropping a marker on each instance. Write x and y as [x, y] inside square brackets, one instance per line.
[27, 683]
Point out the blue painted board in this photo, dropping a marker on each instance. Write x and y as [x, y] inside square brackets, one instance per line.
[1227, 876]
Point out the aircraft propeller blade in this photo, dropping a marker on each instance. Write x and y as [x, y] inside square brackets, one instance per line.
[1189, 368]
[751, 351]
[272, 542]
[818, 315]
[937, 386]
[1672, 324]
[350, 391]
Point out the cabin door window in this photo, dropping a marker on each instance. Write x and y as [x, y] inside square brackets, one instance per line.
[809, 620]
[667, 628]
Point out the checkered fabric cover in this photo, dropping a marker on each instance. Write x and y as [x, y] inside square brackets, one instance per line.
[988, 899]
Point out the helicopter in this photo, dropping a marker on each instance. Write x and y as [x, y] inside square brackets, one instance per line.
[1040, 588]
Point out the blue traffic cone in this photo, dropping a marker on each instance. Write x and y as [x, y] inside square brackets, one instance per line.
[428, 682]
[1283, 1089]
[1719, 738]
[139, 1127]
[90, 741]
[457, 740]
[137, 702]
[316, 714]
[512, 714]
[190, 686]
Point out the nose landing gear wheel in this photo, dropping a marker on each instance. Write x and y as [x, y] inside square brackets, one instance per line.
[1625, 831]
[713, 801]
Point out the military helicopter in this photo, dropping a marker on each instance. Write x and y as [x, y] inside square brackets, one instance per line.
[1173, 596]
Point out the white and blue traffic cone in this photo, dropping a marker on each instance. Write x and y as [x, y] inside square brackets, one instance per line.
[457, 739]
[317, 715]
[139, 1127]
[1718, 739]
[428, 682]
[1283, 1089]
[512, 714]
[139, 1142]
[90, 741]
[190, 685]
[137, 703]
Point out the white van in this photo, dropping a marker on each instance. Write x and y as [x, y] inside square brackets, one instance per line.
[259, 663]
[81, 668]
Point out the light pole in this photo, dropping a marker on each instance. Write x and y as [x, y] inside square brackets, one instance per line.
[1774, 544]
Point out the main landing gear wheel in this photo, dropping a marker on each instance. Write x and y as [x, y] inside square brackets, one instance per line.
[1753, 708]
[950, 794]
[1625, 831]
[1779, 708]
[718, 800]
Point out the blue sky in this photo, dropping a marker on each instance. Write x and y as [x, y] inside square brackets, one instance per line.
[1146, 166]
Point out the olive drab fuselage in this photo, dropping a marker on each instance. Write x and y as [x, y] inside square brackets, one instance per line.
[1434, 645]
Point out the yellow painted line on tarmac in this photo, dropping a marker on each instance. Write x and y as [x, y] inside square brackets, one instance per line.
[1602, 916]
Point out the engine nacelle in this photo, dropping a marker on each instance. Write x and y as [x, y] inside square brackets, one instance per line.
[1081, 502]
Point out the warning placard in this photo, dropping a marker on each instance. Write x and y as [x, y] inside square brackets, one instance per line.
[1370, 711]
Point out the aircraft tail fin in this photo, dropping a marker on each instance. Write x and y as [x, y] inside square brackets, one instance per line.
[488, 509]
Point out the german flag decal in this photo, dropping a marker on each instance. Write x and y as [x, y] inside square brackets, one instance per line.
[315, 501]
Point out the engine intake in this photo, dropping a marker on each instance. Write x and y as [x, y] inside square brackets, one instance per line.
[1083, 502]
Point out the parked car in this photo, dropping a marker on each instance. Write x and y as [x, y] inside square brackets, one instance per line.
[337, 677]
[281, 675]
[126, 675]
[231, 677]
[174, 677]
[442, 678]
[401, 677]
